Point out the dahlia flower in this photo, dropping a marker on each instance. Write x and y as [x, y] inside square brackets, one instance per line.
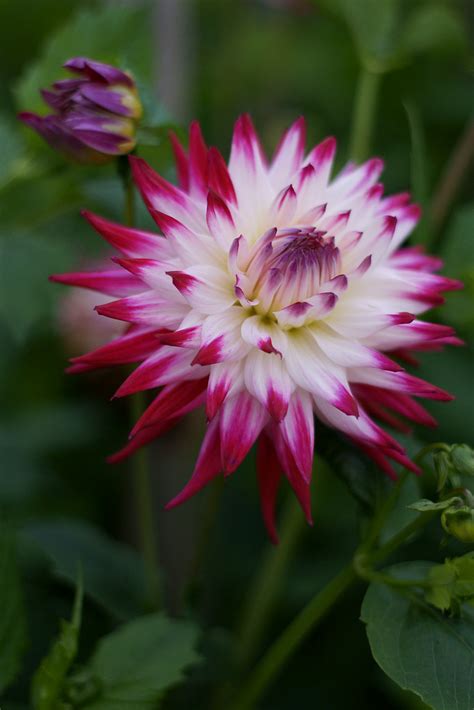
[274, 294]
[96, 112]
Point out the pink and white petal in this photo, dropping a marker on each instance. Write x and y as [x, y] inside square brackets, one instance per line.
[207, 289]
[397, 381]
[112, 282]
[392, 202]
[239, 253]
[353, 318]
[267, 379]
[167, 365]
[142, 438]
[300, 487]
[397, 401]
[335, 222]
[219, 179]
[208, 466]
[152, 274]
[197, 162]
[321, 158]
[161, 196]
[181, 160]
[221, 339]
[258, 332]
[225, 379]
[284, 207]
[375, 242]
[297, 429]
[249, 174]
[241, 420]
[185, 243]
[412, 335]
[173, 401]
[146, 309]
[337, 285]
[242, 287]
[415, 258]
[304, 312]
[220, 222]
[269, 474]
[289, 154]
[130, 347]
[313, 372]
[130, 241]
[182, 338]
[360, 428]
[354, 180]
[407, 219]
[311, 216]
[348, 352]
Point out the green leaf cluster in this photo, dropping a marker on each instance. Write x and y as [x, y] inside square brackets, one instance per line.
[451, 584]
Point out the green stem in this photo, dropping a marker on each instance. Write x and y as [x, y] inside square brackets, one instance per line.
[399, 538]
[378, 521]
[292, 637]
[267, 585]
[452, 178]
[363, 118]
[143, 495]
[284, 647]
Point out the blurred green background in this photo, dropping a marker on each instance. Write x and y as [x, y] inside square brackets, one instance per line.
[211, 60]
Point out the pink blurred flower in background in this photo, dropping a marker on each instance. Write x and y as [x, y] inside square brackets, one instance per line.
[95, 113]
[275, 294]
[79, 325]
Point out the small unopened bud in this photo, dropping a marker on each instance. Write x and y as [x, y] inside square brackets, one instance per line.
[462, 457]
[95, 112]
[459, 522]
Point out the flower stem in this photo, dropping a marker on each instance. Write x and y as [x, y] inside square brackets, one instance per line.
[284, 647]
[144, 510]
[452, 177]
[363, 117]
[140, 469]
[291, 638]
[266, 587]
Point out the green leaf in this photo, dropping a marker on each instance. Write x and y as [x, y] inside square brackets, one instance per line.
[423, 505]
[113, 573]
[137, 663]
[418, 647]
[49, 680]
[12, 616]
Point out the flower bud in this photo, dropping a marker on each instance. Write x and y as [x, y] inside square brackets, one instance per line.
[462, 457]
[95, 112]
[459, 522]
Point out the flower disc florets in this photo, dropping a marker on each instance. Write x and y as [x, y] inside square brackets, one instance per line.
[273, 295]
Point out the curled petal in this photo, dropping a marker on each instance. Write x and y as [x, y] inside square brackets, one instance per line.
[241, 421]
[267, 379]
[298, 432]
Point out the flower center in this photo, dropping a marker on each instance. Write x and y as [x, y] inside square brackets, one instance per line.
[290, 265]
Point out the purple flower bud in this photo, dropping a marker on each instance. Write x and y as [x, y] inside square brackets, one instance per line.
[95, 113]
